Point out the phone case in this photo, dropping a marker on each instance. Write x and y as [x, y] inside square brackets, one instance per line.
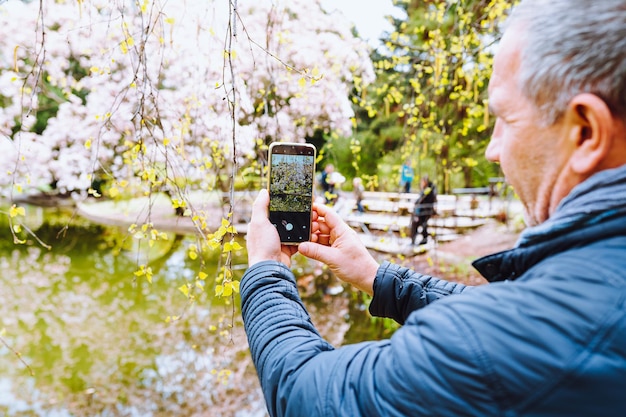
[290, 185]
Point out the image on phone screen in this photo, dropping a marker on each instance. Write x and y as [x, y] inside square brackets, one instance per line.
[292, 169]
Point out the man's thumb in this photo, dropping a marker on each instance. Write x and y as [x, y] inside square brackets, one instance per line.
[315, 251]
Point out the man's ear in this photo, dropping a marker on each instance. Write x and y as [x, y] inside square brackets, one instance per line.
[590, 128]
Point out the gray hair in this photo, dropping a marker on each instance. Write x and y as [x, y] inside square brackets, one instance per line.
[572, 47]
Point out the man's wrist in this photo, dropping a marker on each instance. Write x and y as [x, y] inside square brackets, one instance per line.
[367, 284]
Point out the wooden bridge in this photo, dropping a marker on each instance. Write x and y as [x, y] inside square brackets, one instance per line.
[385, 224]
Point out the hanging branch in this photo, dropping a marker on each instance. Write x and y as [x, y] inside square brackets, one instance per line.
[232, 106]
[19, 356]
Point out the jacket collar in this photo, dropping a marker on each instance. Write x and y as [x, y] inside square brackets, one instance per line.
[594, 210]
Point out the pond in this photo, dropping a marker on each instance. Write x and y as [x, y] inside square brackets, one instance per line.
[83, 335]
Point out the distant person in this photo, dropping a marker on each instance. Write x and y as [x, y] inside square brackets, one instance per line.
[547, 335]
[330, 180]
[423, 210]
[358, 189]
[406, 176]
[328, 185]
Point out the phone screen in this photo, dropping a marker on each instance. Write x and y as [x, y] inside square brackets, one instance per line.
[291, 173]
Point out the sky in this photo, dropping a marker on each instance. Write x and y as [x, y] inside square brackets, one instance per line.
[367, 15]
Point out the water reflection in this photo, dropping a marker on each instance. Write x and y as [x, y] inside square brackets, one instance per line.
[96, 337]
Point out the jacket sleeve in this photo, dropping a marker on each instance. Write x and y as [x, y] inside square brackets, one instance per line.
[427, 366]
[399, 291]
[280, 333]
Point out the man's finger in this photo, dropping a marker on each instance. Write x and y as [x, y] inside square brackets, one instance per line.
[317, 252]
[260, 206]
[321, 228]
[331, 218]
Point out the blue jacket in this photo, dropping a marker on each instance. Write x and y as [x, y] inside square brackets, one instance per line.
[546, 338]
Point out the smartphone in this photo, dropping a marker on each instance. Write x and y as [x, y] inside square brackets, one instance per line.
[290, 185]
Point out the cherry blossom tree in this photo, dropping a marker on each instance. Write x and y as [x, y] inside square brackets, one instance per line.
[155, 95]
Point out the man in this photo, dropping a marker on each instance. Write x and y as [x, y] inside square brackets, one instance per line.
[424, 209]
[547, 336]
[357, 190]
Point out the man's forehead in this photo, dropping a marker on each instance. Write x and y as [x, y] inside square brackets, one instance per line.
[508, 54]
[505, 66]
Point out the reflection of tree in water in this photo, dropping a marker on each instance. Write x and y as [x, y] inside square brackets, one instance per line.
[96, 336]
[291, 185]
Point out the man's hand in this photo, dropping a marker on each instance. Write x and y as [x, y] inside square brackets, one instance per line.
[338, 246]
[263, 242]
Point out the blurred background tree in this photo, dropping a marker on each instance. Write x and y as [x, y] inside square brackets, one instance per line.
[429, 101]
